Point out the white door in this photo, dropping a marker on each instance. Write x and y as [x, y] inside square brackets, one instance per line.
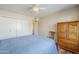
[23, 27]
[7, 28]
[35, 28]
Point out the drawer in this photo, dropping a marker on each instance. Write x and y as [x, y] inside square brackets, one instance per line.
[68, 42]
[69, 47]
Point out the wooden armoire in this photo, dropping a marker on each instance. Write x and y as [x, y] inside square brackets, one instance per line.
[68, 36]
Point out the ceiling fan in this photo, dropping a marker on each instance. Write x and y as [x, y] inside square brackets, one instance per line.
[36, 8]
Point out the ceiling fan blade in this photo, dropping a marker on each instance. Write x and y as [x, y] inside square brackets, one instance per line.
[35, 5]
[42, 8]
[29, 8]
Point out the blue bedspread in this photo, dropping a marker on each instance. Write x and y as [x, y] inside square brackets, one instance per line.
[31, 44]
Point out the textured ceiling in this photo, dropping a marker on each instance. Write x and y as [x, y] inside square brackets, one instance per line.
[24, 8]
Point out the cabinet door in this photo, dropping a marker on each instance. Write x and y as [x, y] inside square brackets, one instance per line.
[62, 30]
[72, 31]
[78, 37]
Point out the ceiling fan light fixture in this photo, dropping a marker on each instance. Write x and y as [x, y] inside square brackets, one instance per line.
[35, 19]
[35, 8]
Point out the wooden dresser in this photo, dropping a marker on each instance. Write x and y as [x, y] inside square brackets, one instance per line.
[68, 36]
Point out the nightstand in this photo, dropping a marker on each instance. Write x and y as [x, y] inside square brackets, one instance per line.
[52, 34]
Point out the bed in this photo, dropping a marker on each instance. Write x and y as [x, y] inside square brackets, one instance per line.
[31, 44]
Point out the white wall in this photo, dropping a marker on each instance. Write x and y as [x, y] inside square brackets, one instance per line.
[49, 23]
[14, 25]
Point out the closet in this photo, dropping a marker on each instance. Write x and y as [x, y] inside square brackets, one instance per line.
[13, 27]
[68, 36]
